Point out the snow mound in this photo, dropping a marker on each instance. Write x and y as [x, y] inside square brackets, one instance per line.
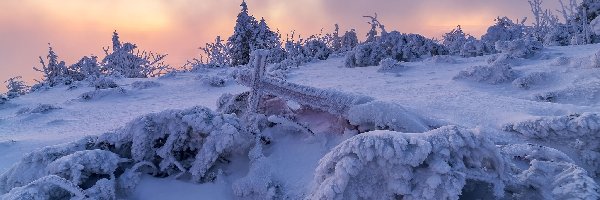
[561, 61]
[580, 94]
[390, 65]
[40, 108]
[101, 93]
[140, 85]
[579, 132]
[173, 142]
[103, 83]
[442, 59]
[385, 116]
[392, 165]
[546, 173]
[529, 80]
[491, 74]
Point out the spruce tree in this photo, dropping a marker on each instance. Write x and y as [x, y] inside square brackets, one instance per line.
[243, 35]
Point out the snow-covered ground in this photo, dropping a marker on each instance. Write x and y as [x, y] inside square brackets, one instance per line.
[562, 81]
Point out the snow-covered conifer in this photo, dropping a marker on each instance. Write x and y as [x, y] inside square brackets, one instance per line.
[349, 40]
[242, 39]
[55, 72]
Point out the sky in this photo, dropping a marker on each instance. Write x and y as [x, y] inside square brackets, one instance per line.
[77, 28]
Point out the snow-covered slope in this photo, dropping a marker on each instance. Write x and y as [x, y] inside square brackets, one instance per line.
[557, 82]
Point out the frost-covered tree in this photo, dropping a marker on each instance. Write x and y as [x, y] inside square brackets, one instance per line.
[336, 40]
[372, 34]
[455, 40]
[242, 39]
[217, 54]
[316, 47]
[87, 68]
[125, 60]
[16, 87]
[55, 72]
[349, 40]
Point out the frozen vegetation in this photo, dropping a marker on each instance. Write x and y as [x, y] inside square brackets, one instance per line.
[511, 115]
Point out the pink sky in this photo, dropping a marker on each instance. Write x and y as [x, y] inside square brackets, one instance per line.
[178, 27]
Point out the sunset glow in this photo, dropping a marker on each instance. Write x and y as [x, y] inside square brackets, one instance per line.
[82, 27]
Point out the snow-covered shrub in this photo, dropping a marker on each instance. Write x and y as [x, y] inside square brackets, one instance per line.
[349, 41]
[103, 83]
[40, 108]
[560, 35]
[455, 40]
[173, 142]
[54, 73]
[390, 65]
[126, 61]
[531, 79]
[491, 74]
[396, 45]
[504, 30]
[519, 48]
[180, 141]
[217, 53]
[47, 187]
[385, 116]
[561, 61]
[580, 94]
[316, 48]
[101, 93]
[3, 99]
[392, 165]
[473, 47]
[34, 165]
[544, 173]
[87, 68]
[16, 87]
[578, 132]
[229, 103]
[213, 80]
[140, 85]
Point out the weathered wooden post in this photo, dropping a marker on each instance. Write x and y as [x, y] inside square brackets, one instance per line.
[259, 62]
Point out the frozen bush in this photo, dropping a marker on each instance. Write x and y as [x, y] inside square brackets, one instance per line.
[314, 47]
[103, 83]
[561, 61]
[54, 73]
[519, 48]
[126, 61]
[504, 30]
[396, 45]
[581, 94]
[578, 132]
[544, 173]
[491, 74]
[3, 99]
[140, 85]
[385, 116]
[390, 65]
[171, 143]
[473, 47]
[34, 165]
[229, 103]
[180, 141]
[98, 94]
[215, 81]
[48, 187]
[531, 79]
[392, 165]
[16, 87]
